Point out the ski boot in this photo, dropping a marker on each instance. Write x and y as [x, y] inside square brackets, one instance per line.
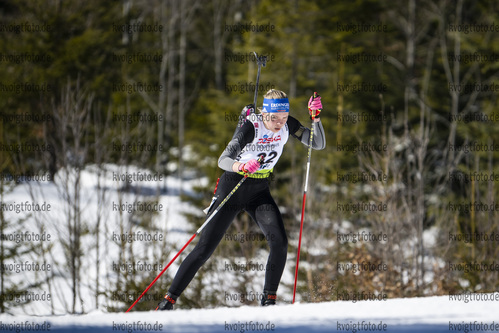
[167, 302]
[268, 298]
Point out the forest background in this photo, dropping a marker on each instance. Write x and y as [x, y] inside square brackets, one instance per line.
[409, 90]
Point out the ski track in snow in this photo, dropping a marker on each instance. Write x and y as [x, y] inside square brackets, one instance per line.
[428, 314]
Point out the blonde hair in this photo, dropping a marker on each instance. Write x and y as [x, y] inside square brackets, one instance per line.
[273, 93]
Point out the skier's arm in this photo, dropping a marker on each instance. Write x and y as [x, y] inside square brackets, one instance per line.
[302, 133]
[242, 136]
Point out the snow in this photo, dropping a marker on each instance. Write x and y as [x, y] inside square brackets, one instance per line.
[169, 223]
[428, 314]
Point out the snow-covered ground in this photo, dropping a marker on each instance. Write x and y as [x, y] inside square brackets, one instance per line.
[169, 225]
[429, 314]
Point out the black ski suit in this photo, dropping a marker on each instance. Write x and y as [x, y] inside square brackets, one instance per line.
[253, 196]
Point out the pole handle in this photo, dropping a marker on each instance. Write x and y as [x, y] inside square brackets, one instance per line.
[261, 61]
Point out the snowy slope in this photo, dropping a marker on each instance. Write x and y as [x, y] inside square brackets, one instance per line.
[169, 223]
[430, 314]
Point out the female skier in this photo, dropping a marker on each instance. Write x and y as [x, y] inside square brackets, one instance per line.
[254, 150]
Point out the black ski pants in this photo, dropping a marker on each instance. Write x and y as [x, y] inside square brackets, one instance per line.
[253, 196]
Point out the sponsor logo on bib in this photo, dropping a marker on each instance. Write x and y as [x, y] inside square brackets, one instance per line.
[266, 139]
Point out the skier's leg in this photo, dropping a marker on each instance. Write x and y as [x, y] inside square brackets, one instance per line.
[265, 212]
[210, 236]
[208, 242]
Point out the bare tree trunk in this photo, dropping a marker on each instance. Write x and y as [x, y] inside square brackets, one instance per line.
[453, 77]
[162, 82]
[222, 10]
[101, 153]
[408, 96]
[72, 119]
[339, 108]
[294, 58]
[172, 29]
[218, 41]
[423, 139]
[181, 90]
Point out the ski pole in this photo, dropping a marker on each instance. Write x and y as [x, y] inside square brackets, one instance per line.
[304, 200]
[193, 236]
[191, 239]
[261, 61]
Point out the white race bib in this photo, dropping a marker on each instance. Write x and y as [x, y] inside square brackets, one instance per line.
[266, 144]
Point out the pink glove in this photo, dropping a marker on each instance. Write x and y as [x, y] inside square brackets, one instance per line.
[315, 105]
[250, 166]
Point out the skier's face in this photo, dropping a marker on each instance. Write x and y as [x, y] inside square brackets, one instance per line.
[275, 121]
